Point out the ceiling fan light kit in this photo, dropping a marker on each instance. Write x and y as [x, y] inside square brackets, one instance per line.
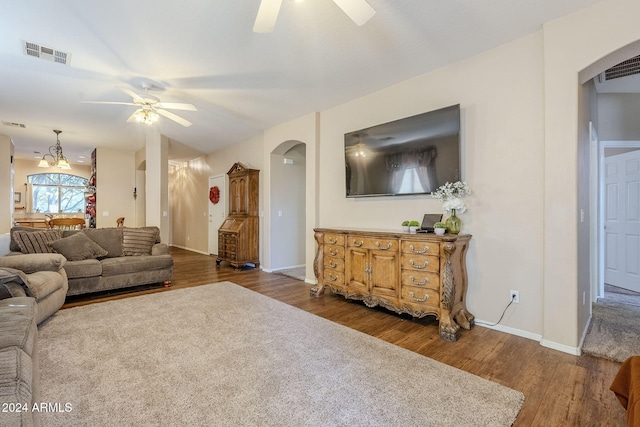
[358, 10]
[55, 153]
[148, 117]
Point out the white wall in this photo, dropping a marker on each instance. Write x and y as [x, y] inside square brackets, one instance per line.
[115, 180]
[500, 93]
[618, 115]
[571, 44]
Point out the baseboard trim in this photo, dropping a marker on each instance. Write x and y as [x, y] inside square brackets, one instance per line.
[575, 351]
[508, 330]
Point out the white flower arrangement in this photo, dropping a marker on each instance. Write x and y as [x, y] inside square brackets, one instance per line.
[450, 195]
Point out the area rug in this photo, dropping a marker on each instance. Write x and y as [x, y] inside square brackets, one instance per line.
[614, 331]
[223, 355]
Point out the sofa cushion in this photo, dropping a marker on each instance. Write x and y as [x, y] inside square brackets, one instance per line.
[84, 268]
[18, 324]
[77, 247]
[135, 264]
[30, 263]
[35, 242]
[110, 239]
[16, 385]
[138, 241]
[42, 283]
[13, 246]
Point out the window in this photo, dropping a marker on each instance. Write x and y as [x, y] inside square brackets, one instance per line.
[411, 182]
[57, 192]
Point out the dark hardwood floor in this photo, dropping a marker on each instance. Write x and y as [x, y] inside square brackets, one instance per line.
[560, 389]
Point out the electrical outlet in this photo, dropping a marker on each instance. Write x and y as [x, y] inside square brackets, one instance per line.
[514, 296]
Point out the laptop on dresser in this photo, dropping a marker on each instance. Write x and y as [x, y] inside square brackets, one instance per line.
[427, 222]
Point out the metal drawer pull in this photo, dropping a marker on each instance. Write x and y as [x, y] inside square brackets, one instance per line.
[357, 244]
[333, 241]
[384, 249]
[332, 264]
[333, 252]
[414, 281]
[419, 267]
[418, 251]
[332, 277]
[418, 299]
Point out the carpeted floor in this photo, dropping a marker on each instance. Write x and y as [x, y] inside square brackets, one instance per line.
[614, 331]
[223, 355]
[296, 272]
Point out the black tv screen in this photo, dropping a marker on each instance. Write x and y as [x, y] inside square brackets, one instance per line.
[414, 155]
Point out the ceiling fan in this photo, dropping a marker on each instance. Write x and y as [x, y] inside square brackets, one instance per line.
[150, 107]
[358, 10]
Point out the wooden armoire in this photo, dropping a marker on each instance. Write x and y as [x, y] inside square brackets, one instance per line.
[238, 237]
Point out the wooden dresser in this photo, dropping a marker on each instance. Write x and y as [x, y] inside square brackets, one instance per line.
[419, 274]
[238, 237]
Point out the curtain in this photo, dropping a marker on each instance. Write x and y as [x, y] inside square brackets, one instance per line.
[422, 161]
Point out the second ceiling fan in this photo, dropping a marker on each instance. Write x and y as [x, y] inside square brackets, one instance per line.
[358, 10]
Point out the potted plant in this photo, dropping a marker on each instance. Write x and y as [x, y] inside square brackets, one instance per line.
[439, 228]
[450, 195]
[413, 227]
[405, 226]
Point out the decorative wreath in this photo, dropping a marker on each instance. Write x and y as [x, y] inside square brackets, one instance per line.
[214, 195]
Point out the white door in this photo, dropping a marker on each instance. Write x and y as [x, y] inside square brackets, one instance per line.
[622, 220]
[217, 211]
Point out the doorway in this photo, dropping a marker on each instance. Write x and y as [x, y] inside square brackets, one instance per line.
[217, 209]
[619, 213]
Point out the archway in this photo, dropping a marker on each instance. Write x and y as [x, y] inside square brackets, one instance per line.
[287, 219]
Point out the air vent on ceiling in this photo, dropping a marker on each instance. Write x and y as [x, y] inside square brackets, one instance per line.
[14, 125]
[46, 53]
[623, 69]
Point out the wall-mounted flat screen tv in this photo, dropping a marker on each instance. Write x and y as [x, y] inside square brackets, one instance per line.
[414, 155]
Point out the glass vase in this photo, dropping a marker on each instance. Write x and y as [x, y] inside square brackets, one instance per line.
[453, 223]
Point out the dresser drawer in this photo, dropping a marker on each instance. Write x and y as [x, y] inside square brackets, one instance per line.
[373, 243]
[421, 262]
[421, 278]
[334, 263]
[332, 277]
[420, 248]
[334, 251]
[418, 295]
[333, 239]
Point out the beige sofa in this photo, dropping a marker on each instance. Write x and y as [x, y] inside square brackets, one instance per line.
[27, 298]
[101, 259]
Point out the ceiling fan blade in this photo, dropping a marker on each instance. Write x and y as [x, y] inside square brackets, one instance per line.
[132, 94]
[108, 102]
[132, 118]
[267, 16]
[358, 10]
[176, 106]
[174, 117]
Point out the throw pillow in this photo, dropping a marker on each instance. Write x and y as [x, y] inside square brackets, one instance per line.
[35, 242]
[77, 247]
[138, 241]
[110, 239]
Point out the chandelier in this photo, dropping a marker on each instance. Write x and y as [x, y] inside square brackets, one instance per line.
[146, 116]
[55, 153]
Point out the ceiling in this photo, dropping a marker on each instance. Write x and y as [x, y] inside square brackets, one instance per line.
[204, 52]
